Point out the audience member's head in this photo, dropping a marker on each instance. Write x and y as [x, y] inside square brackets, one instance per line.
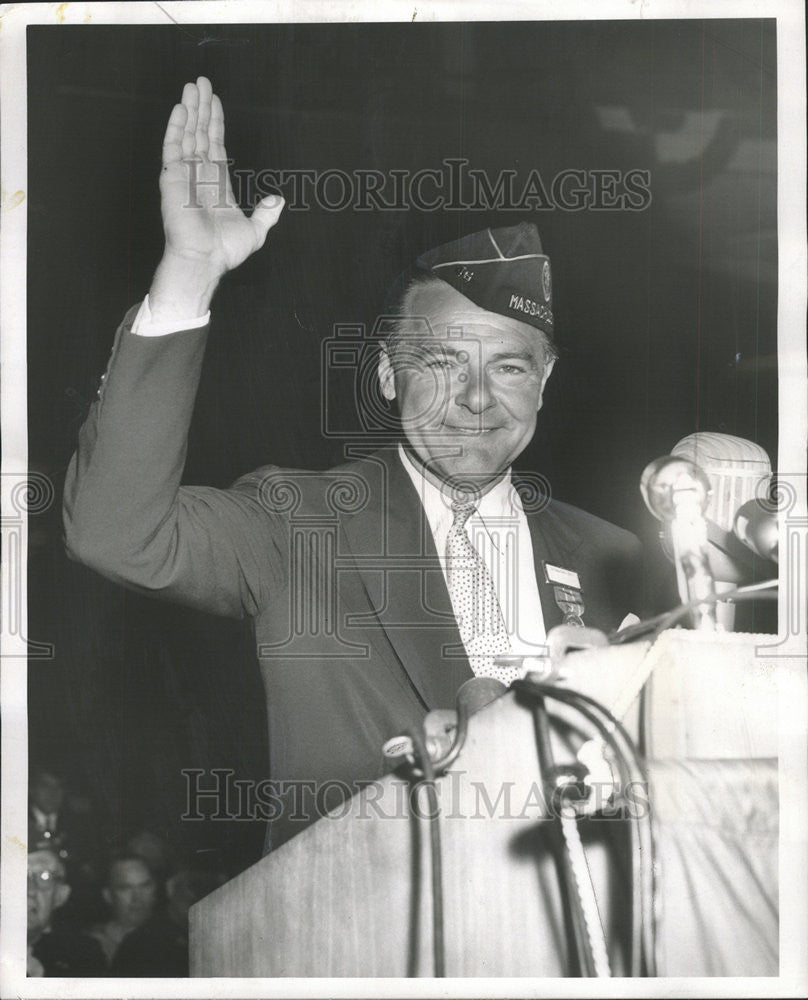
[47, 891]
[157, 854]
[46, 790]
[130, 891]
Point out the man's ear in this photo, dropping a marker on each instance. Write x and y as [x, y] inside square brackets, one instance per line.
[387, 379]
[61, 896]
[107, 896]
[548, 368]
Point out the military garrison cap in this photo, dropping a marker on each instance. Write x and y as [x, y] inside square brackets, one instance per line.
[501, 270]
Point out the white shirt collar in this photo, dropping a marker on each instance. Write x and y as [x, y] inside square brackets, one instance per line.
[502, 500]
[501, 517]
[43, 820]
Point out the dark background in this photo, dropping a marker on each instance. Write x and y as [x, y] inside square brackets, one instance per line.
[666, 317]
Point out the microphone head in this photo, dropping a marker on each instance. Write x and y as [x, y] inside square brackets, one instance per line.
[738, 471]
[736, 468]
[667, 480]
[440, 726]
[757, 528]
[476, 693]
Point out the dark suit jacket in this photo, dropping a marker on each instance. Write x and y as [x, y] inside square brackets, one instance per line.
[66, 952]
[353, 624]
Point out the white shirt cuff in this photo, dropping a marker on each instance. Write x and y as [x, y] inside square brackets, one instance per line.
[145, 326]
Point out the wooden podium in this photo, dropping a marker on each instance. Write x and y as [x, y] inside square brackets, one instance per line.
[351, 896]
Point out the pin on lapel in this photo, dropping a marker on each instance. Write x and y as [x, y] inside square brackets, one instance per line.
[567, 593]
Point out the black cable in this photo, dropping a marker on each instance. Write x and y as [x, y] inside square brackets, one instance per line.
[538, 690]
[660, 622]
[416, 894]
[641, 823]
[436, 856]
[568, 696]
[566, 876]
[741, 593]
[426, 774]
[635, 954]
[642, 907]
[442, 764]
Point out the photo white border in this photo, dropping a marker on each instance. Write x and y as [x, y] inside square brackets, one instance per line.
[793, 434]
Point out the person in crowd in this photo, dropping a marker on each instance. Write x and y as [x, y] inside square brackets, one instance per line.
[62, 821]
[55, 950]
[159, 947]
[155, 851]
[59, 821]
[46, 813]
[131, 895]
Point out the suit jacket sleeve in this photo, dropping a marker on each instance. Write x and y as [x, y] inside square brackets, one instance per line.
[125, 513]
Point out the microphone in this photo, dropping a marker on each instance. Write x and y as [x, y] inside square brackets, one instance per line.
[735, 467]
[738, 471]
[476, 693]
[677, 492]
[757, 528]
[445, 730]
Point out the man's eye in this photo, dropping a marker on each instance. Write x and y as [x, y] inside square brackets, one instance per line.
[512, 369]
[439, 363]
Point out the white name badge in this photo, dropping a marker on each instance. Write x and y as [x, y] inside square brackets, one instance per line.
[562, 577]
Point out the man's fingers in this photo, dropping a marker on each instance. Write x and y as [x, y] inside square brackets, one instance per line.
[265, 214]
[172, 141]
[216, 129]
[204, 89]
[205, 93]
[190, 98]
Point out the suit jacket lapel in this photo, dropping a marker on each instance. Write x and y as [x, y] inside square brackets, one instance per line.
[396, 559]
[553, 541]
[395, 556]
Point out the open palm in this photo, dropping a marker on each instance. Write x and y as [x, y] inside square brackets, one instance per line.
[201, 218]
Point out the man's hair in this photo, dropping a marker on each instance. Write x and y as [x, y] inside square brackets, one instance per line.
[59, 866]
[399, 309]
[123, 857]
[39, 770]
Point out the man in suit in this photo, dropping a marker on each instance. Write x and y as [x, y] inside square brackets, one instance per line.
[131, 893]
[376, 588]
[55, 824]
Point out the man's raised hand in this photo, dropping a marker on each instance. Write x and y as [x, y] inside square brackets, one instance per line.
[206, 233]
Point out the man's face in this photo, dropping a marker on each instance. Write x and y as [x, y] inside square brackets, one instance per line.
[47, 890]
[469, 386]
[131, 892]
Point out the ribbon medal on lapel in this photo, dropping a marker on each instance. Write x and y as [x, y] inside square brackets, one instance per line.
[567, 592]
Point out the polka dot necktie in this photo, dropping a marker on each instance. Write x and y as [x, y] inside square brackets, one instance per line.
[476, 608]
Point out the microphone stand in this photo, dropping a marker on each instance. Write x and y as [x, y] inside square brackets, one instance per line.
[677, 492]
[689, 538]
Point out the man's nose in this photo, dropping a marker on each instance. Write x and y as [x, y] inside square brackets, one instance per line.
[474, 389]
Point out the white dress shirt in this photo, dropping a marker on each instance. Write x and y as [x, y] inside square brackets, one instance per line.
[500, 533]
[145, 326]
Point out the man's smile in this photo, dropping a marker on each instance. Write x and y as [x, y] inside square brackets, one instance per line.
[470, 431]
